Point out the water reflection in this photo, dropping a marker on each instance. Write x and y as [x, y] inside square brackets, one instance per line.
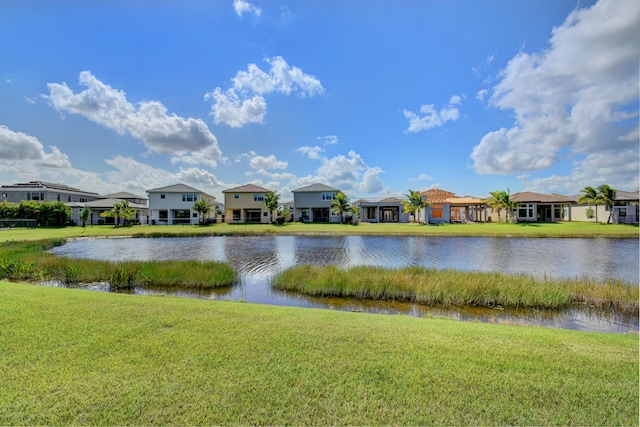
[259, 258]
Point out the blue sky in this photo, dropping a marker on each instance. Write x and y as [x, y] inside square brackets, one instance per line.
[372, 97]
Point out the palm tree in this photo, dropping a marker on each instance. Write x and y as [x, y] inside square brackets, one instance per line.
[340, 205]
[591, 197]
[608, 198]
[203, 208]
[495, 201]
[271, 201]
[414, 203]
[509, 204]
[499, 200]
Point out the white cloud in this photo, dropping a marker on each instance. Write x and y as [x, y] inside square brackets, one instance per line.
[159, 131]
[242, 6]
[21, 151]
[481, 94]
[311, 152]
[244, 102]
[429, 117]
[371, 182]
[421, 177]
[579, 96]
[328, 139]
[618, 169]
[269, 162]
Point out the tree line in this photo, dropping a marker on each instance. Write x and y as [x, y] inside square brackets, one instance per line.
[46, 213]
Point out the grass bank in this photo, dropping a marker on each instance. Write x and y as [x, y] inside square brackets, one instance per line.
[72, 357]
[28, 260]
[459, 288]
[565, 229]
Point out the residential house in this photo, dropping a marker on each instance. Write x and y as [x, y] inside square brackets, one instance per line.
[313, 203]
[446, 207]
[625, 209]
[40, 191]
[384, 209]
[174, 204]
[536, 207]
[100, 206]
[245, 204]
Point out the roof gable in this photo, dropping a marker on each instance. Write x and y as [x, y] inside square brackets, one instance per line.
[314, 188]
[176, 188]
[248, 188]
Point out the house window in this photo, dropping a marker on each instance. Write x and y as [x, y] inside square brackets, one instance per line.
[35, 196]
[162, 196]
[236, 214]
[181, 214]
[258, 197]
[189, 197]
[622, 212]
[4, 195]
[163, 215]
[264, 214]
[195, 215]
[328, 196]
[436, 211]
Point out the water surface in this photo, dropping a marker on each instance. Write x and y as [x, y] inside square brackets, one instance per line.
[259, 258]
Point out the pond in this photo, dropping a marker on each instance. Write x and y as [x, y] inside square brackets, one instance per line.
[259, 258]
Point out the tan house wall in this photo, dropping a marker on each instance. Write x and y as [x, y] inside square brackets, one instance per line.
[244, 202]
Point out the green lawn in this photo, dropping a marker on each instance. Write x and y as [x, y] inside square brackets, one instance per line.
[566, 229]
[73, 357]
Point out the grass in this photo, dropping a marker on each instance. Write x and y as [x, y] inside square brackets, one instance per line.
[72, 357]
[564, 229]
[28, 260]
[458, 288]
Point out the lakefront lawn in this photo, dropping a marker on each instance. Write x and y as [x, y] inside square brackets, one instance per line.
[73, 357]
[564, 229]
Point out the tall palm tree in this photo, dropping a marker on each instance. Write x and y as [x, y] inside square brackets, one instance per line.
[271, 201]
[608, 197]
[509, 204]
[203, 207]
[414, 203]
[499, 200]
[495, 202]
[591, 197]
[340, 204]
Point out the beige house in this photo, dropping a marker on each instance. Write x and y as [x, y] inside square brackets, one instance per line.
[245, 205]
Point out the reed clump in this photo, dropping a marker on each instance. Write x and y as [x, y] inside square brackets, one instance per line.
[458, 288]
[31, 261]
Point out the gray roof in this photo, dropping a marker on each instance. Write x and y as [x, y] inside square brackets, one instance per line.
[314, 188]
[125, 195]
[176, 188]
[104, 204]
[47, 185]
[248, 188]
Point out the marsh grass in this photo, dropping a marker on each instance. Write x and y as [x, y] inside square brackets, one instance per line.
[457, 288]
[30, 261]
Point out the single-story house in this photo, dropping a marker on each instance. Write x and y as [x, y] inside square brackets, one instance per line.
[446, 207]
[625, 210]
[100, 206]
[383, 209]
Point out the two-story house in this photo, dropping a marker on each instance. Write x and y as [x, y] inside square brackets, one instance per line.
[245, 204]
[40, 191]
[174, 204]
[313, 203]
